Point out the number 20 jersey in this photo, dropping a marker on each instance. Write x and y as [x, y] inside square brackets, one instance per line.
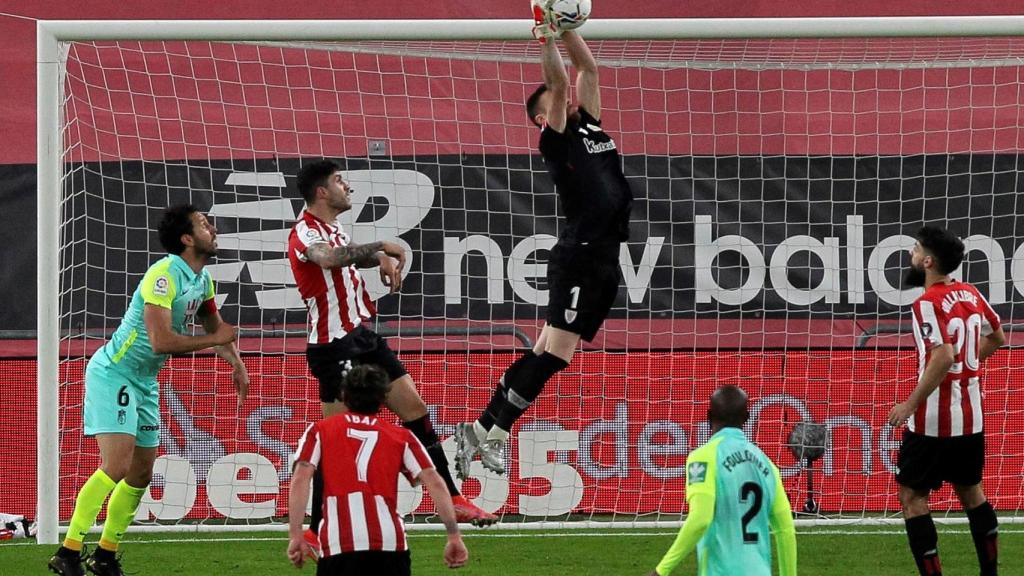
[955, 314]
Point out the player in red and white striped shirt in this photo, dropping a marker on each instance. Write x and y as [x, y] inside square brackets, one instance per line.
[955, 329]
[326, 267]
[360, 457]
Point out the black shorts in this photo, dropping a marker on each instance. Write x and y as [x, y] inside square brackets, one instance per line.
[365, 563]
[329, 362]
[582, 285]
[925, 462]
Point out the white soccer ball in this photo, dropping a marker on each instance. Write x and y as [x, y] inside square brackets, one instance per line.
[569, 14]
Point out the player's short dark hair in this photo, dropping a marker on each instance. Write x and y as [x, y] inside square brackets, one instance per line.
[365, 388]
[177, 220]
[533, 103]
[943, 245]
[314, 175]
[729, 407]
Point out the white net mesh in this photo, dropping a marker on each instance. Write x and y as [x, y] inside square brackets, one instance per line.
[776, 183]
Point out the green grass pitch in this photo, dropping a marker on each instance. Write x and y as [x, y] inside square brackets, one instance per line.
[494, 552]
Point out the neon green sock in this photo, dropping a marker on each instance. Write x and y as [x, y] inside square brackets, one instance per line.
[124, 502]
[87, 507]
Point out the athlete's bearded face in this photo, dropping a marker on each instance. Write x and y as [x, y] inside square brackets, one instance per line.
[339, 193]
[204, 236]
[916, 274]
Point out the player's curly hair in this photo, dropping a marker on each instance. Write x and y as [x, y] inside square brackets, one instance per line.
[177, 220]
[943, 245]
[364, 389]
[314, 175]
[533, 104]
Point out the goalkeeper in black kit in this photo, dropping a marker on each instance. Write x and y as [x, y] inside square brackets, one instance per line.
[583, 273]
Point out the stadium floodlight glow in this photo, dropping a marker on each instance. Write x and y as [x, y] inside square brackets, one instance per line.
[776, 162]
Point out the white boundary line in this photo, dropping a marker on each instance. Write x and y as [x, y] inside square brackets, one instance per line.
[516, 535]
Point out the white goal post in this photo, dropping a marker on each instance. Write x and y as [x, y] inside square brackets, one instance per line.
[53, 36]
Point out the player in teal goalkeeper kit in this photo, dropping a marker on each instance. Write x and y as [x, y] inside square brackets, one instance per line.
[735, 493]
[122, 397]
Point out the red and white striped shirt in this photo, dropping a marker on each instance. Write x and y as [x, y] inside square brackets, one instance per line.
[336, 298]
[956, 314]
[360, 458]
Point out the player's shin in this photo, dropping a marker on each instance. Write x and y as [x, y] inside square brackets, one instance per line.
[924, 544]
[526, 386]
[124, 502]
[500, 397]
[423, 430]
[985, 532]
[87, 507]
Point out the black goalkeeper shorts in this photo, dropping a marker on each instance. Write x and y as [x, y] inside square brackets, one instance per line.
[582, 286]
[365, 563]
[925, 462]
[329, 362]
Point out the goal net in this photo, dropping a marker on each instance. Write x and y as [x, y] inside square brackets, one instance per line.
[778, 185]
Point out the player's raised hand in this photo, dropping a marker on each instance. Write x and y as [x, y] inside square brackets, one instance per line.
[543, 27]
[455, 553]
[396, 251]
[390, 274]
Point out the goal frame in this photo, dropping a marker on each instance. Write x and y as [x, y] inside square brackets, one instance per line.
[50, 61]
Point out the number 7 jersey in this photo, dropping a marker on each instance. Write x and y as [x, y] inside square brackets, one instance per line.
[955, 314]
[360, 457]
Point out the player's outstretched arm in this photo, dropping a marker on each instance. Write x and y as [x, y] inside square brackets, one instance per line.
[164, 340]
[702, 510]
[212, 322]
[935, 371]
[455, 553]
[588, 90]
[298, 496]
[781, 521]
[557, 81]
[362, 255]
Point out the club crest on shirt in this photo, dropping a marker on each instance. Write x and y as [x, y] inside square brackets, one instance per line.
[570, 316]
[696, 472]
[160, 286]
[926, 330]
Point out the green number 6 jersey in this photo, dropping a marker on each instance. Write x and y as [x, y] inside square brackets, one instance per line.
[169, 283]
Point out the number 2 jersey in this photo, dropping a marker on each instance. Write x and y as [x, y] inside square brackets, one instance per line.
[749, 498]
[360, 457]
[955, 314]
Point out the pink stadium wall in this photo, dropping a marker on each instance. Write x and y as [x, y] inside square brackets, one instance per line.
[17, 52]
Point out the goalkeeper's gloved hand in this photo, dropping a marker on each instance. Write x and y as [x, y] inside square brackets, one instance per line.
[544, 27]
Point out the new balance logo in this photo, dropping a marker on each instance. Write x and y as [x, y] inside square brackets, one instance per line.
[409, 196]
